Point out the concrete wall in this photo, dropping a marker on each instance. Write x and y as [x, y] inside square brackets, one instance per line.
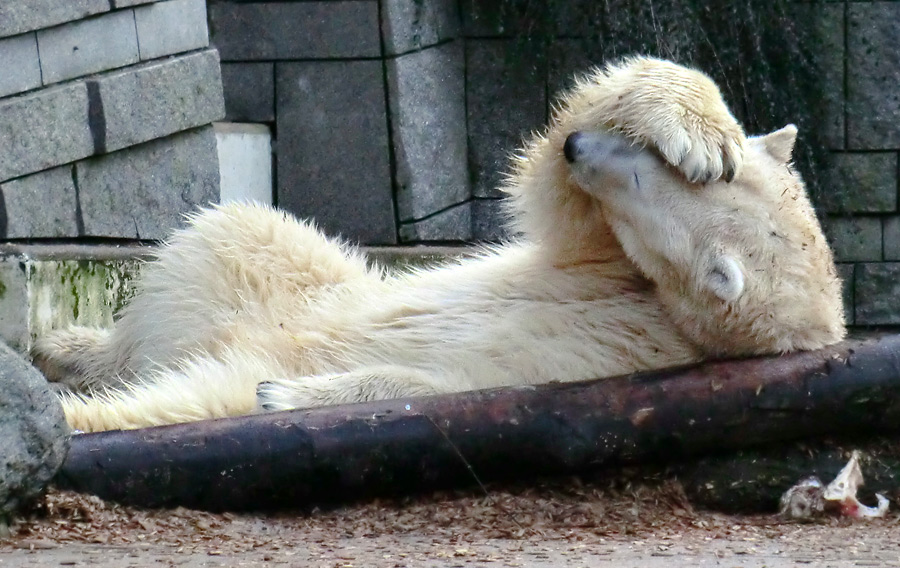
[105, 112]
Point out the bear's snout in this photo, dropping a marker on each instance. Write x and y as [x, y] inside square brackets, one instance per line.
[570, 148]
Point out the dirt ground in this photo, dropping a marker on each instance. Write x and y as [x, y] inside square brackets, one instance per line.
[567, 522]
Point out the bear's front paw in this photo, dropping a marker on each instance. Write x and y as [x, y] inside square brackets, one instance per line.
[704, 151]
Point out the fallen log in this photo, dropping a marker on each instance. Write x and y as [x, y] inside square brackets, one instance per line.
[303, 458]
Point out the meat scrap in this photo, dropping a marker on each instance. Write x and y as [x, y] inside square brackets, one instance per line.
[809, 498]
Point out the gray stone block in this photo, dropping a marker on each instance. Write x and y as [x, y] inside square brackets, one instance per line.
[504, 19]
[18, 16]
[505, 101]
[171, 27]
[428, 123]
[821, 29]
[143, 192]
[88, 46]
[878, 293]
[413, 24]
[42, 205]
[892, 238]
[128, 3]
[873, 107]
[333, 162]
[577, 18]
[249, 91]
[845, 272]
[854, 239]
[34, 436]
[683, 31]
[860, 183]
[453, 224]
[14, 300]
[160, 98]
[295, 30]
[20, 63]
[245, 162]
[568, 57]
[44, 129]
[489, 220]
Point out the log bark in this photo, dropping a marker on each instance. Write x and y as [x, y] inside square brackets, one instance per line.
[324, 455]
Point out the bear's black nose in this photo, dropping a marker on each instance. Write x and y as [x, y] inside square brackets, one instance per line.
[570, 148]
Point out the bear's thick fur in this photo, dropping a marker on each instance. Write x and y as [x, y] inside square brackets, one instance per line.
[654, 233]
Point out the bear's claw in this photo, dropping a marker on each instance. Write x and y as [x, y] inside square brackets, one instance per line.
[702, 155]
[271, 398]
[709, 156]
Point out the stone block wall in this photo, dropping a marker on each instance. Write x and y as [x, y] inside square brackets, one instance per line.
[105, 113]
[859, 193]
[367, 103]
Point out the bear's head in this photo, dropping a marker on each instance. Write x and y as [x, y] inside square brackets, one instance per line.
[742, 267]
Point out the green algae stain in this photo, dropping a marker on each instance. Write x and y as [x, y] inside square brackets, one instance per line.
[79, 292]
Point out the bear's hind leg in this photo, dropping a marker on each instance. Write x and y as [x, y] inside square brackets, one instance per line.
[232, 262]
[197, 389]
[265, 252]
[78, 358]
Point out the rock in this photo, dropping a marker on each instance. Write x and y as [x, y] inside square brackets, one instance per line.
[34, 436]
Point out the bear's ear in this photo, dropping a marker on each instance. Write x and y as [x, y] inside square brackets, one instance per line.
[780, 144]
[725, 278]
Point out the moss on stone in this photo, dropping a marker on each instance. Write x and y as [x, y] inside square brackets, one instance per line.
[82, 292]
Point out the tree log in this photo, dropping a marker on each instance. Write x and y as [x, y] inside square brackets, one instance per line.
[303, 458]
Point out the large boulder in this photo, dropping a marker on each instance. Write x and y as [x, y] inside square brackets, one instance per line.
[34, 436]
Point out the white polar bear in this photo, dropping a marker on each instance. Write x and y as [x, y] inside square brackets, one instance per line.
[703, 244]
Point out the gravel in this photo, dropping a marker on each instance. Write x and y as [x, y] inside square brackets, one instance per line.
[563, 522]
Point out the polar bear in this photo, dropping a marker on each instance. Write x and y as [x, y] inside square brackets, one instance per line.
[654, 234]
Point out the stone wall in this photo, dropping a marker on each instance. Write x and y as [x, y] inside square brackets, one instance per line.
[105, 112]
[367, 100]
[860, 197]
[394, 118]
